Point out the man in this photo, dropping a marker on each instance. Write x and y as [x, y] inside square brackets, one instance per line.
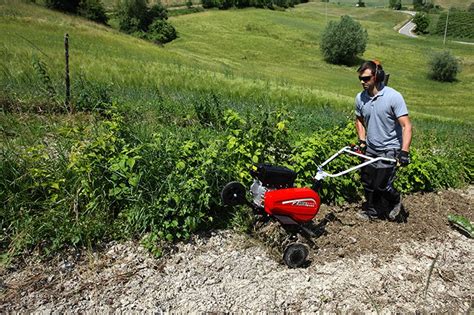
[384, 130]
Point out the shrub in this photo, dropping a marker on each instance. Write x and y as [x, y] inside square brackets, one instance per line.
[342, 41]
[417, 4]
[93, 10]
[242, 3]
[207, 4]
[444, 67]
[161, 31]
[226, 4]
[471, 7]
[132, 15]
[422, 22]
[395, 4]
[282, 3]
[157, 11]
[147, 23]
[63, 5]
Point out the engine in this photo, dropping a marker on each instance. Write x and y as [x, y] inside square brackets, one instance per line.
[272, 190]
[267, 178]
[258, 192]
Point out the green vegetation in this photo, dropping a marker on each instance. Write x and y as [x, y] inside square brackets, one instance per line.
[66, 6]
[90, 9]
[458, 4]
[270, 4]
[395, 4]
[157, 131]
[343, 41]
[93, 10]
[444, 67]
[460, 25]
[136, 18]
[176, 12]
[422, 22]
[462, 224]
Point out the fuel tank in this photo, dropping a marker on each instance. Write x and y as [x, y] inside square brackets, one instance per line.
[300, 204]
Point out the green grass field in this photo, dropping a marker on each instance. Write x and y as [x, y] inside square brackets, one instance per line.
[237, 52]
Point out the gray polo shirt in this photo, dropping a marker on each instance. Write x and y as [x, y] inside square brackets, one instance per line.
[380, 114]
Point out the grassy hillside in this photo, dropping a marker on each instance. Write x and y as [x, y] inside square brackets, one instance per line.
[237, 52]
[461, 4]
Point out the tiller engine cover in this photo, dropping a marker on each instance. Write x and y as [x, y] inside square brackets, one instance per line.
[300, 204]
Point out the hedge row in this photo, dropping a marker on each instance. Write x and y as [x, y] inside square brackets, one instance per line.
[104, 181]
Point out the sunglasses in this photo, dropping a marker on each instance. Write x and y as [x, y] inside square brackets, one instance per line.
[365, 79]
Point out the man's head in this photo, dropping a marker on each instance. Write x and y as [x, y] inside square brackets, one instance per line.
[370, 74]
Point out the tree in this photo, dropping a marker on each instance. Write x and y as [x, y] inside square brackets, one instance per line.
[134, 15]
[417, 4]
[342, 41]
[63, 5]
[161, 32]
[444, 67]
[422, 22]
[93, 10]
[395, 4]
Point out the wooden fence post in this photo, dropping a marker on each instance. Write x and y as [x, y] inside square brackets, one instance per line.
[68, 83]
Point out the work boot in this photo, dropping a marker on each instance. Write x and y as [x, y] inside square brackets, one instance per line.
[395, 212]
[367, 215]
[368, 210]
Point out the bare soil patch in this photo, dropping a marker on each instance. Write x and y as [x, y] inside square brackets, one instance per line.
[427, 220]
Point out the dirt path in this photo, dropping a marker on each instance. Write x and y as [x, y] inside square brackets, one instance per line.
[420, 265]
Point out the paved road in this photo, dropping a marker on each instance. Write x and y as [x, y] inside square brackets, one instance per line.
[407, 29]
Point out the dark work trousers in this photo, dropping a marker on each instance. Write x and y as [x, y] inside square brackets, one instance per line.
[377, 179]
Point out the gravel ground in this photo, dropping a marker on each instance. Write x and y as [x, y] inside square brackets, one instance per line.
[226, 271]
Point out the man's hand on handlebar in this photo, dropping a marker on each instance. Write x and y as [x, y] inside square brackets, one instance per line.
[362, 146]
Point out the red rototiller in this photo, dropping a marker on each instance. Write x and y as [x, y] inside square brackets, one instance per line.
[274, 197]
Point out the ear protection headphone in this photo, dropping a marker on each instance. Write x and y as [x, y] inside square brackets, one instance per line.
[379, 73]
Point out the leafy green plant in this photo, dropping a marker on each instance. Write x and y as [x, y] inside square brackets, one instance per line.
[461, 223]
[342, 41]
[209, 110]
[45, 79]
[107, 181]
[92, 97]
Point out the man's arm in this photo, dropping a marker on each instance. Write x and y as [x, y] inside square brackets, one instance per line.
[406, 132]
[360, 128]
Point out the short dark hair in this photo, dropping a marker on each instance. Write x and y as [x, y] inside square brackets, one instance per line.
[369, 65]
